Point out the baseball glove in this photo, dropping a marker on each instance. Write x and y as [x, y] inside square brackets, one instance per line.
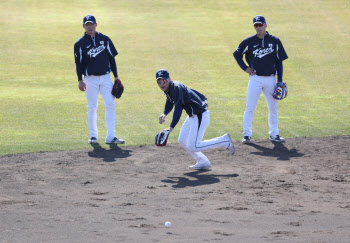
[162, 137]
[118, 88]
[281, 91]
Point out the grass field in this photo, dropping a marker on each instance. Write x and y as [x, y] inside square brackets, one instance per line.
[41, 108]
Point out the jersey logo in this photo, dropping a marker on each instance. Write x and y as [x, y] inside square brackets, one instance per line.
[101, 42]
[95, 51]
[260, 53]
[256, 45]
[88, 46]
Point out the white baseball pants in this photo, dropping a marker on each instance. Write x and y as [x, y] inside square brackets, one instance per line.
[191, 136]
[255, 86]
[94, 85]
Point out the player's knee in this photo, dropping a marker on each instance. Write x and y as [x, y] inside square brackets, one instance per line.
[182, 143]
[250, 109]
[110, 106]
[92, 108]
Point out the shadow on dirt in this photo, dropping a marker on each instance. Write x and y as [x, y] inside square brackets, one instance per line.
[108, 155]
[200, 179]
[279, 151]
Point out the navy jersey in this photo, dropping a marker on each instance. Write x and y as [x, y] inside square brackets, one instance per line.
[95, 56]
[262, 55]
[182, 97]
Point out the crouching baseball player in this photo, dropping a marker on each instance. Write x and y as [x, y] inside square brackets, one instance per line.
[196, 106]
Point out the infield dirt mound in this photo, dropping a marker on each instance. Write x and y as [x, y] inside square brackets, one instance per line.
[297, 191]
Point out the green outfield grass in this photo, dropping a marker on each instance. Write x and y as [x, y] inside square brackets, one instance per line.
[41, 108]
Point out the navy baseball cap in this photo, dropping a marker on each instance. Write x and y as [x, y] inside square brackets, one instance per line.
[162, 73]
[259, 19]
[89, 19]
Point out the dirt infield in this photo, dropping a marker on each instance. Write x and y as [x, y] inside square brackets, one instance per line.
[298, 191]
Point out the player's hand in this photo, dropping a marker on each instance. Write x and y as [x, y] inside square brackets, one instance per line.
[170, 129]
[82, 85]
[162, 118]
[250, 71]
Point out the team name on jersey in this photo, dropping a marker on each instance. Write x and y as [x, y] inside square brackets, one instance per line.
[260, 52]
[95, 51]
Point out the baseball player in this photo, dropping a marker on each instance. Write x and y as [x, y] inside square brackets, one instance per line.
[264, 54]
[196, 106]
[94, 58]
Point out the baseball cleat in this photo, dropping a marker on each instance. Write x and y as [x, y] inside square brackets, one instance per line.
[197, 166]
[277, 138]
[116, 140]
[92, 140]
[230, 147]
[246, 139]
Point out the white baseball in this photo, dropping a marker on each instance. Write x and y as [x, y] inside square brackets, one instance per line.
[167, 224]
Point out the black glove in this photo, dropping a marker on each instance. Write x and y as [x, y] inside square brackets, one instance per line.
[118, 88]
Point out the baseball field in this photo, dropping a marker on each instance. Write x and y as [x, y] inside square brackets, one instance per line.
[55, 187]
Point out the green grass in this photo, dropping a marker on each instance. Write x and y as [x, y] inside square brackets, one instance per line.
[41, 108]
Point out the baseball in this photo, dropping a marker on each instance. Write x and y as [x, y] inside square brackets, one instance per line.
[168, 224]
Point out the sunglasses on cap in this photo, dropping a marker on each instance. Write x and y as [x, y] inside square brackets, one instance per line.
[258, 25]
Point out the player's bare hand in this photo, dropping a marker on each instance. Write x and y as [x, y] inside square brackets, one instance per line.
[82, 85]
[162, 118]
[250, 71]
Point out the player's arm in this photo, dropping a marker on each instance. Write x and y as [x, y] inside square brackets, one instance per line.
[78, 56]
[81, 84]
[176, 116]
[167, 109]
[114, 67]
[179, 100]
[281, 53]
[279, 68]
[281, 56]
[79, 67]
[239, 58]
[112, 51]
[238, 55]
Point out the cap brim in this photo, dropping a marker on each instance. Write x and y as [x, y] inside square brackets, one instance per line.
[161, 78]
[258, 23]
[89, 21]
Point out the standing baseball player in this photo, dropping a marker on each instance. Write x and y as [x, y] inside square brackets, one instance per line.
[196, 106]
[94, 58]
[264, 54]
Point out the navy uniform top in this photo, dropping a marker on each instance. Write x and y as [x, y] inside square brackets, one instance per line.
[178, 94]
[265, 55]
[95, 56]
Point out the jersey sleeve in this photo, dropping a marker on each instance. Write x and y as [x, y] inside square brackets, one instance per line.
[238, 54]
[168, 107]
[111, 48]
[279, 69]
[281, 53]
[176, 116]
[78, 55]
[112, 53]
[177, 112]
[178, 103]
